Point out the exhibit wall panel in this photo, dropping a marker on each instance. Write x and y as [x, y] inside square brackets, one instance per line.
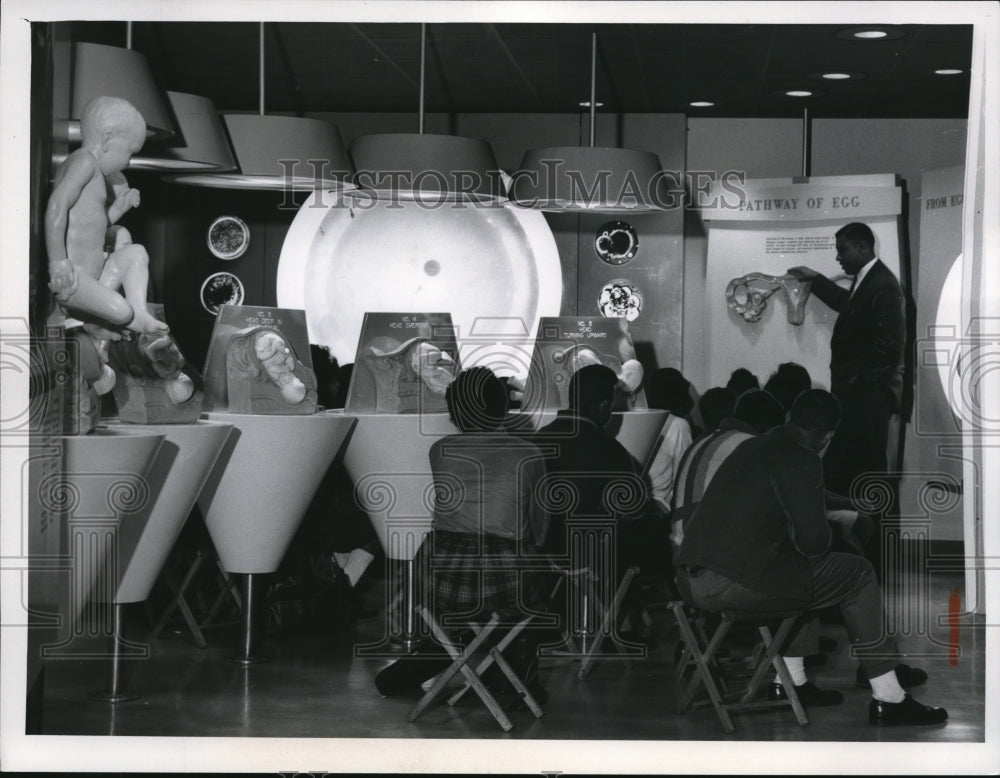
[933, 449]
[767, 148]
[758, 148]
[745, 241]
[656, 272]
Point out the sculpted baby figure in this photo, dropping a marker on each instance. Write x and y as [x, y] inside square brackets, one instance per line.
[90, 257]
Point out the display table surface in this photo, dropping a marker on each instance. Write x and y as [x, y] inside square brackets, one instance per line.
[177, 475]
[273, 465]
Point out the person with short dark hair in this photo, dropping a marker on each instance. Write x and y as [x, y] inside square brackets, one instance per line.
[591, 460]
[714, 405]
[788, 382]
[759, 542]
[759, 409]
[740, 380]
[669, 391]
[595, 481]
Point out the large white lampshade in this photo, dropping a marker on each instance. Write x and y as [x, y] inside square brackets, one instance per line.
[588, 178]
[280, 152]
[200, 145]
[439, 168]
[109, 71]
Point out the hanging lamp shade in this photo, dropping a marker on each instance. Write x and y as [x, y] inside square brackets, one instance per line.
[110, 71]
[590, 178]
[201, 144]
[280, 152]
[427, 167]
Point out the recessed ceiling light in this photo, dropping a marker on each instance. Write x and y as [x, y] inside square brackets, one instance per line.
[838, 75]
[586, 104]
[949, 71]
[799, 93]
[701, 104]
[871, 32]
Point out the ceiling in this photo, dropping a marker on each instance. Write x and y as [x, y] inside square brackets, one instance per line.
[532, 68]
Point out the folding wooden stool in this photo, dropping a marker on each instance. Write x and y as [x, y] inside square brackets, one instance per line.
[586, 585]
[461, 658]
[707, 669]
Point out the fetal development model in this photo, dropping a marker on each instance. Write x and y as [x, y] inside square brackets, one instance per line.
[91, 258]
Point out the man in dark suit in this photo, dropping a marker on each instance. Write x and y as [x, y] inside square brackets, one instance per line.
[866, 357]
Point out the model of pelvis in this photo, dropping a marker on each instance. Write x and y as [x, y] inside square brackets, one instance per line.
[747, 295]
[264, 375]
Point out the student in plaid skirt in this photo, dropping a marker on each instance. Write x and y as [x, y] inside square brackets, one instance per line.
[482, 554]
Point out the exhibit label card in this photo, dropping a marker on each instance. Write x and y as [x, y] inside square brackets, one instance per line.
[404, 363]
[563, 345]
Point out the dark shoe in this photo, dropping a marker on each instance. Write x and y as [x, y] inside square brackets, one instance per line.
[907, 676]
[810, 695]
[906, 713]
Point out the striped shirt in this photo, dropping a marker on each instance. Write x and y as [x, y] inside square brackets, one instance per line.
[697, 466]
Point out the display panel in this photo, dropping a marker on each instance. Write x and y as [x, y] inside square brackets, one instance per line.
[403, 364]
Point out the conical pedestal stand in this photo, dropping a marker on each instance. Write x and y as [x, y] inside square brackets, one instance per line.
[253, 507]
[177, 474]
[79, 505]
[386, 459]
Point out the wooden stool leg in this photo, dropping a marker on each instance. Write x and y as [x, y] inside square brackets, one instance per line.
[488, 660]
[460, 664]
[516, 682]
[608, 622]
[703, 671]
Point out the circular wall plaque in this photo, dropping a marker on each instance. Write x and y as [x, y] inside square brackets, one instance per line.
[228, 237]
[620, 300]
[616, 242]
[221, 289]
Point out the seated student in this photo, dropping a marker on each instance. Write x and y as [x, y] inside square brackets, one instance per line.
[605, 481]
[715, 405]
[759, 541]
[755, 411]
[487, 525]
[665, 392]
[788, 382]
[740, 380]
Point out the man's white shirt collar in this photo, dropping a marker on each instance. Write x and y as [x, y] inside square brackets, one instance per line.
[862, 273]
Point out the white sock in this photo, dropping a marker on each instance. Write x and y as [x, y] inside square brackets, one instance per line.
[796, 669]
[886, 688]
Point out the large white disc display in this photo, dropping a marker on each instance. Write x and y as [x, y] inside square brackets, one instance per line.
[494, 269]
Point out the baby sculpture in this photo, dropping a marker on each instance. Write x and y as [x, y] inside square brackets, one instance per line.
[747, 296]
[98, 275]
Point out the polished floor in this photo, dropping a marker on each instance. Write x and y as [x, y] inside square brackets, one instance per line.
[318, 687]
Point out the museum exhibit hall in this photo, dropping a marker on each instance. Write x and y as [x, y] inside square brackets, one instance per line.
[519, 381]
